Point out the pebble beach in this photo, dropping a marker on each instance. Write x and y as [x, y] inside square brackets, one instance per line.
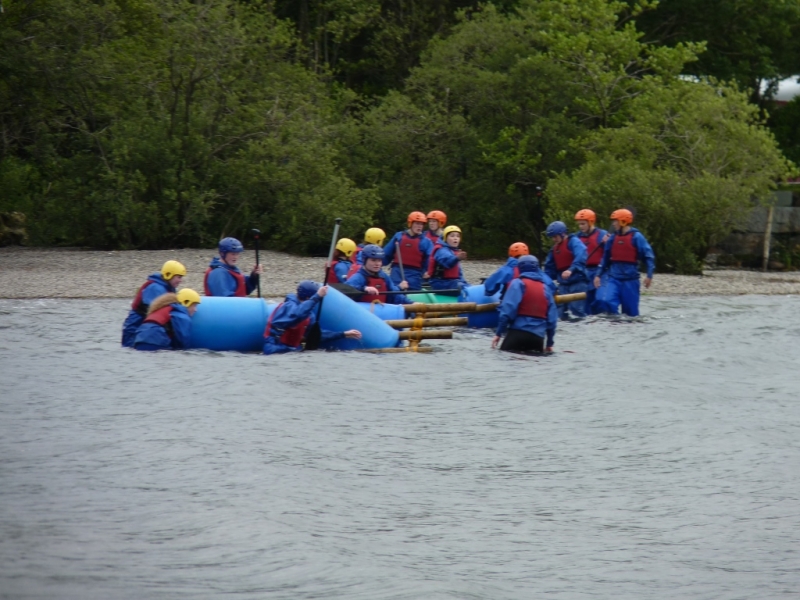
[78, 273]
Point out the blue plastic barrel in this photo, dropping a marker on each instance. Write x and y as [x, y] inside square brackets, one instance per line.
[477, 294]
[230, 324]
[340, 313]
[385, 312]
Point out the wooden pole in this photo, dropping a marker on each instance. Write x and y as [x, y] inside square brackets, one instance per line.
[420, 349]
[767, 238]
[419, 334]
[562, 299]
[456, 307]
[419, 323]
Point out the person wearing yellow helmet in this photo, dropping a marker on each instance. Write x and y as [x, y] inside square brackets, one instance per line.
[168, 325]
[444, 265]
[342, 263]
[414, 252]
[163, 282]
[375, 236]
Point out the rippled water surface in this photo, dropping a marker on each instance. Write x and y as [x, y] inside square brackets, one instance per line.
[650, 459]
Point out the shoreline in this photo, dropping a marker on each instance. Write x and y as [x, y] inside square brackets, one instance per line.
[33, 273]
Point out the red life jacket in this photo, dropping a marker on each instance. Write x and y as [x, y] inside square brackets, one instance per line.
[534, 301]
[623, 250]
[591, 242]
[354, 268]
[241, 287]
[562, 255]
[291, 336]
[163, 317]
[508, 283]
[137, 304]
[437, 271]
[377, 282]
[435, 239]
[332, 278]
[409, 250]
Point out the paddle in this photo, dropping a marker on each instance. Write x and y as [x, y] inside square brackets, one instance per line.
[256, 235]
[349, 290]
[314, 335]
[399, 261]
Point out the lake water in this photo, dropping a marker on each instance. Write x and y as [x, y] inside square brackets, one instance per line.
[649, 459]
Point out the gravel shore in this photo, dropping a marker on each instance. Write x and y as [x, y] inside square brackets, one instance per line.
[77, 273]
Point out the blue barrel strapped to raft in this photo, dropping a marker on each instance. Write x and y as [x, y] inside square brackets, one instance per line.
[477, 294]
[340, 313]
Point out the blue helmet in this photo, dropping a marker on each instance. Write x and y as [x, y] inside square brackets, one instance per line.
[306, 289]
[527, 263]
[556, 228]
[372, 251]
[230, 244]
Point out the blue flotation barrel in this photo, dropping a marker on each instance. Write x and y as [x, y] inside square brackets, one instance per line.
[385, 312]
[477, 294]
[230, 324]
[340, 313]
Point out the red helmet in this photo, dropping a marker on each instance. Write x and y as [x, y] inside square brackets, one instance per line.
[586, 214]
[417, 217]
[439, 216]
[518, 249]
[623, 215]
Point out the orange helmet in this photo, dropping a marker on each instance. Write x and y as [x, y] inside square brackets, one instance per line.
[417, 217]
[623, 215]
[518, 249]
[439, 216]
[586, 214]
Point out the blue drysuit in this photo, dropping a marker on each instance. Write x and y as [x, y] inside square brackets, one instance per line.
[359, 281]
[413, 274]
[358, 258]
[134, 318]
[446, 257]
[592, 271]
[342, 267]
[289, 313]
[221, 283]
[544, 328]
[576, 283]
[497, 281]
[152, 336]
[621, 287]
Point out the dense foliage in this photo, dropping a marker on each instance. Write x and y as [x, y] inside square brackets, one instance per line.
[158, 123]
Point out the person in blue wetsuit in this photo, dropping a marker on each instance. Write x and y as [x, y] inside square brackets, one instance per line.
[158, 284]
[288, 323]
[342, 265]
[224, 278]
[168, 324]
[415, 250]
[444, 265]
[623, 252]
[436, 221]
[566, 263]
[594, 239]
[371, 280]
[499, 280]
[528, 311]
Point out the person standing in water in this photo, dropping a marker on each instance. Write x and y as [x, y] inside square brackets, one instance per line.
[566, 263]
[499, 280]
[223, 276]
[593, 238]
[414, 249]
[158, 284]
[168, 325]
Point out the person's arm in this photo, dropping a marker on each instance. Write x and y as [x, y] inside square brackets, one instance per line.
[509, 306]
[357, 281]
[605, 263]
[578, 249]
[221, 283]
[646, 254]
[389, 248]
[445, 257]
[550, 266]
[552, 320]
[391, 286]
[181, 328]
[341, 269]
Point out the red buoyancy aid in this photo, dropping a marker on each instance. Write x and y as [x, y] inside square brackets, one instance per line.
[332, 277]
[163, 317]
[355, 268]
[241, 286]
[592, 241]
[435, 239]
[513, 277]
[377, 282]
[436, 271]
[291, 336]
[534, 301]
[409, 250]
[137, 304]
[623, 250]
[562, 255]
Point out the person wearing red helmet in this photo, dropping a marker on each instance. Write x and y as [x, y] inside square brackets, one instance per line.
[594, 238]
[500, 279]
[623, 252]
[415, 251]
[436, 221]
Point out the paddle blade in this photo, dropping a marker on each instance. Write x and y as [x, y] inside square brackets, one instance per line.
[313, 337]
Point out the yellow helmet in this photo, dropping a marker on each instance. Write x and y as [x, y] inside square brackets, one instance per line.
[188, 297]
[450, 229]
[346, 246]
[375, 235]
[172, 268]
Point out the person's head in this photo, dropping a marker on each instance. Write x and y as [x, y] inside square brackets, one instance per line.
[436, 220]
[585, 218]
[557, 231]
[373, 258]
[518, 249]
[173, 272]
[229, 250]
[528, 264]
[190, 299]
[345, 248]
[306, 289]
[416, 222]
[621, 218]
[452, 236]
[375, 235]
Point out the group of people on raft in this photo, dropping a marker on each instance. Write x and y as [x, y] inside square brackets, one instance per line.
[603, 264]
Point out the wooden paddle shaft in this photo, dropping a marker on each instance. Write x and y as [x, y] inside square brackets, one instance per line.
[403, 323]
[562, 299]
[421, 349]
[456, 307]
[421, 334]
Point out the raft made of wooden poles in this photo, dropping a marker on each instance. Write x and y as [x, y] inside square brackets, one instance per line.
[421, 334]
[419, 322]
